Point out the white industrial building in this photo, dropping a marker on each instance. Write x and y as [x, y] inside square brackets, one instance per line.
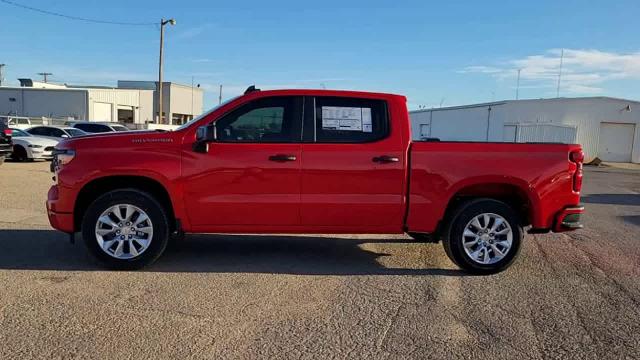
[132, 102]
[34, 99]
[607, 128]
[180, 103]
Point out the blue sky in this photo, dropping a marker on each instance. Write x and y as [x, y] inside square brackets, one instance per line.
[449, 52]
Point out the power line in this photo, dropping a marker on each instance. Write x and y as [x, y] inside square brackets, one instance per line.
[71, 17]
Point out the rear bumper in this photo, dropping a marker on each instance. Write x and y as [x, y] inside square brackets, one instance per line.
[569, 219]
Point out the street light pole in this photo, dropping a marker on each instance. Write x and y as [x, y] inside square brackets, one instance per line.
[163, 22]
[1, 74]
[518, 85]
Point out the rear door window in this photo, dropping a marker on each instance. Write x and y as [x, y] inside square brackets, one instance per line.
[37, 131]
[93, 128]
[350, 120]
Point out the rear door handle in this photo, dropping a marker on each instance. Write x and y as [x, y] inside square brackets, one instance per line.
[282, 157]
[385, 159]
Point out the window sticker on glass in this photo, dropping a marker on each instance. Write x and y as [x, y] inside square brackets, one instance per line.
[346, 118]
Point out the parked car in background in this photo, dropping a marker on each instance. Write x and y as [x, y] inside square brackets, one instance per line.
[6, 147]
[311, 161]
[55, 132]
[17, 122]
[99, 127]
[30, 147]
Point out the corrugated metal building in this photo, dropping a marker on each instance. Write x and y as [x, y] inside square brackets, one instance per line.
[95, 104]
[607, 128]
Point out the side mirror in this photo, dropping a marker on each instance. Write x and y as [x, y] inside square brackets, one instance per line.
[205, 135]
[64, 136]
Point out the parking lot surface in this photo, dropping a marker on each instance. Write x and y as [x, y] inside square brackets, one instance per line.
[571, 295]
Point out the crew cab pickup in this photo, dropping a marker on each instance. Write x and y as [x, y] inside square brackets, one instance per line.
[310, 161]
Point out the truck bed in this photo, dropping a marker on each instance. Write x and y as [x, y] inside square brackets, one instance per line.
[540, 175]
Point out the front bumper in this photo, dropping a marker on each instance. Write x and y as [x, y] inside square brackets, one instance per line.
[59, 220]
[43, 155]
[569, 219]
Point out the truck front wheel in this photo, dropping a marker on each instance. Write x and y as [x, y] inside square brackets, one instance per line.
[483, 236]
[125, 229]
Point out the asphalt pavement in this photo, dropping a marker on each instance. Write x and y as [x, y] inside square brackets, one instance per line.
[573, 295]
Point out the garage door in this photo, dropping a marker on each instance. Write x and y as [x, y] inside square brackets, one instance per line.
[616, 142]
[101, 112]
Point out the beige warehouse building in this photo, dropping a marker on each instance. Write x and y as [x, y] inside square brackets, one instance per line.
[181, 103]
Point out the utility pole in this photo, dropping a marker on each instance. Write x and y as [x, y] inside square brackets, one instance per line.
[163, 22]
[560, 72]
[220, 95]
[44, 75]
[2, 73]
[518, 85]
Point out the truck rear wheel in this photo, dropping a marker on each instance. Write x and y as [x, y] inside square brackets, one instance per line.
[484, 236]
[125, 229]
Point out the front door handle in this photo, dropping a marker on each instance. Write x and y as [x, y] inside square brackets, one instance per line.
[386, 159]
[282, 158]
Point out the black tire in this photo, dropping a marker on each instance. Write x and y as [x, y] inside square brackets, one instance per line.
[19, 153]
[145, 202]
[453, 235]
[422, 237]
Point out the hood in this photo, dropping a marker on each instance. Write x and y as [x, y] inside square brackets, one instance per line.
[120, 139]
[35, 140]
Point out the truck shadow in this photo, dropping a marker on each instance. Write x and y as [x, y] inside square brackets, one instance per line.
[612, 199]
[298, 255]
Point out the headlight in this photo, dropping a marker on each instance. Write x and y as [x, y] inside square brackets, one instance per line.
[34, 146]
[61, 157]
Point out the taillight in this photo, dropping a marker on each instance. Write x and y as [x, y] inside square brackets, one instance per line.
[578, 158]
[577, 180]
[8, 132]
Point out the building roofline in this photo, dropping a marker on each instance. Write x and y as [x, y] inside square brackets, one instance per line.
[164, 83]
[503, 102]
[68, 88]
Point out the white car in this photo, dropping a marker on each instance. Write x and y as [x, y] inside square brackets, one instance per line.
[30, 147]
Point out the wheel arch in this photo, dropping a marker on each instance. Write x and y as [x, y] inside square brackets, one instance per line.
[516, 194]
[99, 186]
[21, 147]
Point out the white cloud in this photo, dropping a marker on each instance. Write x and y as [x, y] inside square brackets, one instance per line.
[192, 32]
[583, 71]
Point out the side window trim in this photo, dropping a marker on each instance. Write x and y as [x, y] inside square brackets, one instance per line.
[309, 120]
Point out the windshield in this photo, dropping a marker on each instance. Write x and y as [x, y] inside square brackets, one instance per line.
[75, 132]
[187, 124]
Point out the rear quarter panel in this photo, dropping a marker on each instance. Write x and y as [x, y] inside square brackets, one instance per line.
[440, 170]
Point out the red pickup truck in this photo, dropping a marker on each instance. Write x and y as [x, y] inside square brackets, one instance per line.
[310, 161]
